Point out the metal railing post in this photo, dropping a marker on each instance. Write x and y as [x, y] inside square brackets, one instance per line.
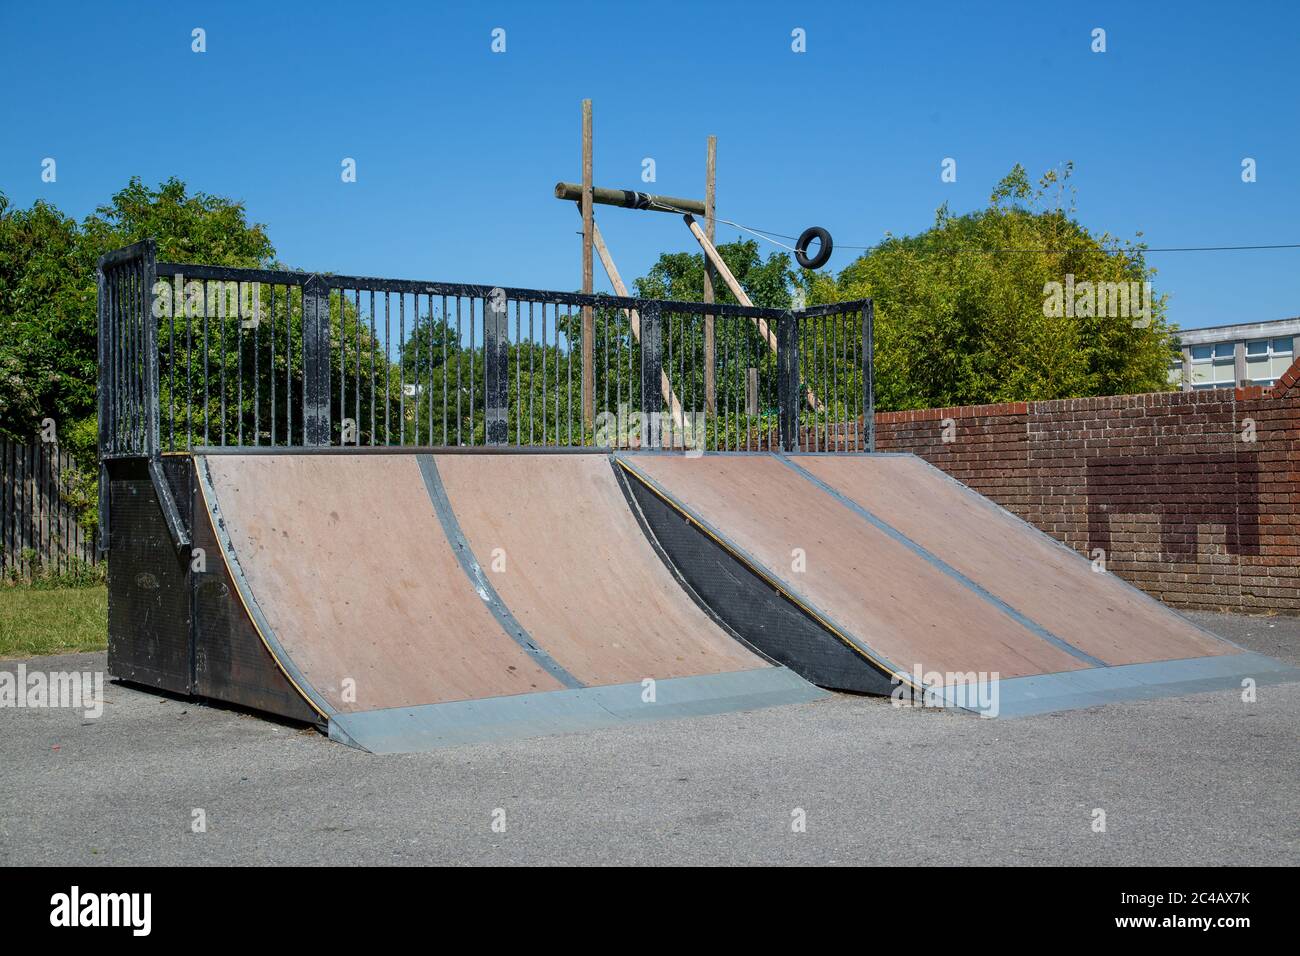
[869, 373]
[787, 380]
[153, 394]
[496, 369]
[316, 362]
[651, 371]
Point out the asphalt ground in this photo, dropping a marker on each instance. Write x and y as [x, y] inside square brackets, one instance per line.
[1202, 779]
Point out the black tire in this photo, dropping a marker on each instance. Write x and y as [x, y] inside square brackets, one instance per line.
[823, 252]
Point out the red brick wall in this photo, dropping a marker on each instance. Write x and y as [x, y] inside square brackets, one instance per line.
[1170, 485]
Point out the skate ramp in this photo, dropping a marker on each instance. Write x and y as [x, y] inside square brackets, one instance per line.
[936, 587]
[363, 576]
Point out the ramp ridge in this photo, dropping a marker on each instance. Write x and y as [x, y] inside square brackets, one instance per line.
[468, 562]
[935, 561]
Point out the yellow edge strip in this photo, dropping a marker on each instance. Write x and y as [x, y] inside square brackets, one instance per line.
[207, 510]
[648, 483]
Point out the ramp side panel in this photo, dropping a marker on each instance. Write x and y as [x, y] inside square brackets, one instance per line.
[1041, 578]
[752, 607]
[891, 599]
[355, 577]
[576, 570]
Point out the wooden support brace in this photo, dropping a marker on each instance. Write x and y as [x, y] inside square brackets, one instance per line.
[738, 291]
[616, 280]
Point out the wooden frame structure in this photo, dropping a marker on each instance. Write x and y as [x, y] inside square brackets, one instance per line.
[586, 195]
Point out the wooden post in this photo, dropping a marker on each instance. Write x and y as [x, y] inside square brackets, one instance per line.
[710, 381]
[630, 199]
[588, 324]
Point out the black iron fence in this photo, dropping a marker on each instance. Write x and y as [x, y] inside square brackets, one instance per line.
[199, 356]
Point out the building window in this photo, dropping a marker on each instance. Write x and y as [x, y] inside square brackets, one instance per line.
[1266, 359]
[1213, 366]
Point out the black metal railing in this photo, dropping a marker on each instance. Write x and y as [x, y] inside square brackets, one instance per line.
[200, 356]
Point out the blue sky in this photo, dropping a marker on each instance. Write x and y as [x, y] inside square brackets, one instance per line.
[458, 148]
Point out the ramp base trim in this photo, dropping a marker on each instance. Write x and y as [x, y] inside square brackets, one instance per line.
[1072, 690]
[456, 723]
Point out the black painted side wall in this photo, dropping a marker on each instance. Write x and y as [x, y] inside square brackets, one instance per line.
[175, 621]
[148, 586]
[749, 605]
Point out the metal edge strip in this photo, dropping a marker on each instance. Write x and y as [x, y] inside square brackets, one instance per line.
[872, 657]
[622, 480]
[246, 597]
[1011, 516]
[943, 566]
[465, 556]
[484, 720]
[1071, 690]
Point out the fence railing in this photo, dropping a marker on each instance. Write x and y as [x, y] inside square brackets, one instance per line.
[38, 524]
[215, 356]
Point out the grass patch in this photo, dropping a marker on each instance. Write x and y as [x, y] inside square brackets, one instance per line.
[52, 621]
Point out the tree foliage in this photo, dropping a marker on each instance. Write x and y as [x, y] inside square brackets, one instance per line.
[960, 308]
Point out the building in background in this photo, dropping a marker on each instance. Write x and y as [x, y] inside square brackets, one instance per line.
[1224, 356]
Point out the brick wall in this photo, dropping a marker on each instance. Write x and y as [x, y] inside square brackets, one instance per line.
[1193, 496]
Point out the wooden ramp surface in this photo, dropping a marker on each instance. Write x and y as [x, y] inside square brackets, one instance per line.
[371, 579]
[927, 577]
[1050, 583]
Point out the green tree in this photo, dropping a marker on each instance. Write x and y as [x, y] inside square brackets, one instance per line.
[48, 329]
[963, 310]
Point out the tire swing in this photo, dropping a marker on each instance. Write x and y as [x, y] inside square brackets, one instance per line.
[823, 250]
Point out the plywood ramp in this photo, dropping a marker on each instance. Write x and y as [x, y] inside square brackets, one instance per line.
[350, 568]
[1056, 587]
[567, 556]
[370, 579]
[893, 602]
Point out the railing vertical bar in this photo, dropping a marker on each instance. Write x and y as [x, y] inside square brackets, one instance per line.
[288, 362]
[239, 358]
[532, 341]
[374, 348]
[271, 369]
[459, 351]
[568, 365]
[171, 363]
[869, 373]
[401, 368]
[388, 366]
[221, 325]
[473, 354]
[356, 375]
